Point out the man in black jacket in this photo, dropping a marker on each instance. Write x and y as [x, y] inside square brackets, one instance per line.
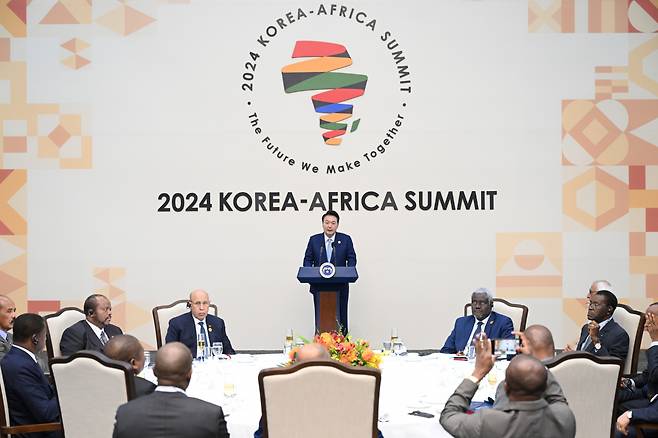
[602, 336]
[93, 332]
[169, 412]
[127, 348]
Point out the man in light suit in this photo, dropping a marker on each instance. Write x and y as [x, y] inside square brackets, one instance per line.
[30, 397]
[93, 332]
[334, 247]
[127, 348]
[526, 414]
[602, 336]
[494, 325]
[7, 317]
[169, 412]
[187, 328]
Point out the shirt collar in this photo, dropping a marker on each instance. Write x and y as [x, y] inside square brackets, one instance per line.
[3, 334]
[170, 389]
[484, 321]
[197, 321]
[603, 323]
[96, 329]
[32, 355]
[332, 238]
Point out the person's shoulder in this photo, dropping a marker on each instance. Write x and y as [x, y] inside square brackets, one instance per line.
[316, 237]
[214, 319]
[79, 325]
[463, 319]
[343, 236]
[615, 327]
[500, 317]
[201, 405]
[180, 318]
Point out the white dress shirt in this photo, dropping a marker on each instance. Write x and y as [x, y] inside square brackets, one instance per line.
[475, 326]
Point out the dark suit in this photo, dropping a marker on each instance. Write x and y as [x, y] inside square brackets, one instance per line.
[646, 385]
[648, 414]
[164, 414]
[552, 393]
[143, 387]
[5, 345]
[81, 337]
[343, 254]
[183, 329]
[613, 338]
[498, 327]
[536, 419]
[30, 397]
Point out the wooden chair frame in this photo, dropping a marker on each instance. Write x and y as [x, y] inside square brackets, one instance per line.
[156, 318]
[49, 342]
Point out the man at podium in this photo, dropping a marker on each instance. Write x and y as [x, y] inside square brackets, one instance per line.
[334, 247]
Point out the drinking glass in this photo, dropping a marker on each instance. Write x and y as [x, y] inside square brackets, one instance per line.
[387, 346]
[229, 385]
[217, 349]
[394, 335]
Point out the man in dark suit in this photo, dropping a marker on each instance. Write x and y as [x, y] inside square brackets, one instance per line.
[30, 397]
[93, 332]
[526, 413]
[602, 336]
[7, 317]
[638, 397]
[127, 348]
[188, 327]
[334, 247]
[494, 325]
[536, 341]
[169, 412]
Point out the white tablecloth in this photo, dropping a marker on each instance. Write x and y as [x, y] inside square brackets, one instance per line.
[408, 383]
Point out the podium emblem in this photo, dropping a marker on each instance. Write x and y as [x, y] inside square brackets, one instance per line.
[327, 270]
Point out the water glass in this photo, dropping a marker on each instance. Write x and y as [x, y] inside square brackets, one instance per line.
[229, 385]
[398, 347]
[217, 349]
[387, 346]
[394, 335]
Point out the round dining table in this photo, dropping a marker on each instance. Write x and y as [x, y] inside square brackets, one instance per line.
[409, 383]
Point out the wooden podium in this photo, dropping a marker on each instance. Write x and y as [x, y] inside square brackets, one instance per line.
[327, 289]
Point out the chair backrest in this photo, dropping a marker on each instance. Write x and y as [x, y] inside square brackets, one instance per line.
[90, 388]
[306, 400]
[4, 408]
[56, 323]
[518, 313]
[633, 322]
[590, 385]
[162, 315]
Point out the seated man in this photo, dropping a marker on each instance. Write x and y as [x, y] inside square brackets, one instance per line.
[602, 336]
[536, 341]
[526, 414]
[495, 326]
[169, 412]
[30, 397]
[187, 327]
[639, 391]
[127, 348]
[7, 317]
[93, 332]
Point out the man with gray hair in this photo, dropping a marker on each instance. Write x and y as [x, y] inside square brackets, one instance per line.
[598, 285]
[483, 320]
[7, 318]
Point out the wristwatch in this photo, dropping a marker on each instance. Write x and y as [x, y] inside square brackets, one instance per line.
[597, 346]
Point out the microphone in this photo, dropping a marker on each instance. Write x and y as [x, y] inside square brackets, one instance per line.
[333, 250]
[321, 250]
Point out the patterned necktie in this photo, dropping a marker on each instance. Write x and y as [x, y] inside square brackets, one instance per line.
[203, 334]
[104, 338]
[329, 250]
[478, 330]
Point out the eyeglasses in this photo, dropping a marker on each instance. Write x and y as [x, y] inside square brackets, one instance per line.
[201, 303]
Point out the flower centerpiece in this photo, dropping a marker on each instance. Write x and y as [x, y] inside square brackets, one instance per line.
[346, 350]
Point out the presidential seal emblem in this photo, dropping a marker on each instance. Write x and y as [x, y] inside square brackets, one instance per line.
[327, 270]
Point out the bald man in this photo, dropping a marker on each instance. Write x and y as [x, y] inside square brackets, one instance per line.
[169, 412]
[526, 414]
[187, 327]
[536, 341]
[127, 348]
[7, 318]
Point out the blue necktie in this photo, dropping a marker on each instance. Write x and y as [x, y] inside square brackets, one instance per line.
[203, 334]
[329, 250]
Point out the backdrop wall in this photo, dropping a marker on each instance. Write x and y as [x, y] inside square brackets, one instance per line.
[529, 129]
